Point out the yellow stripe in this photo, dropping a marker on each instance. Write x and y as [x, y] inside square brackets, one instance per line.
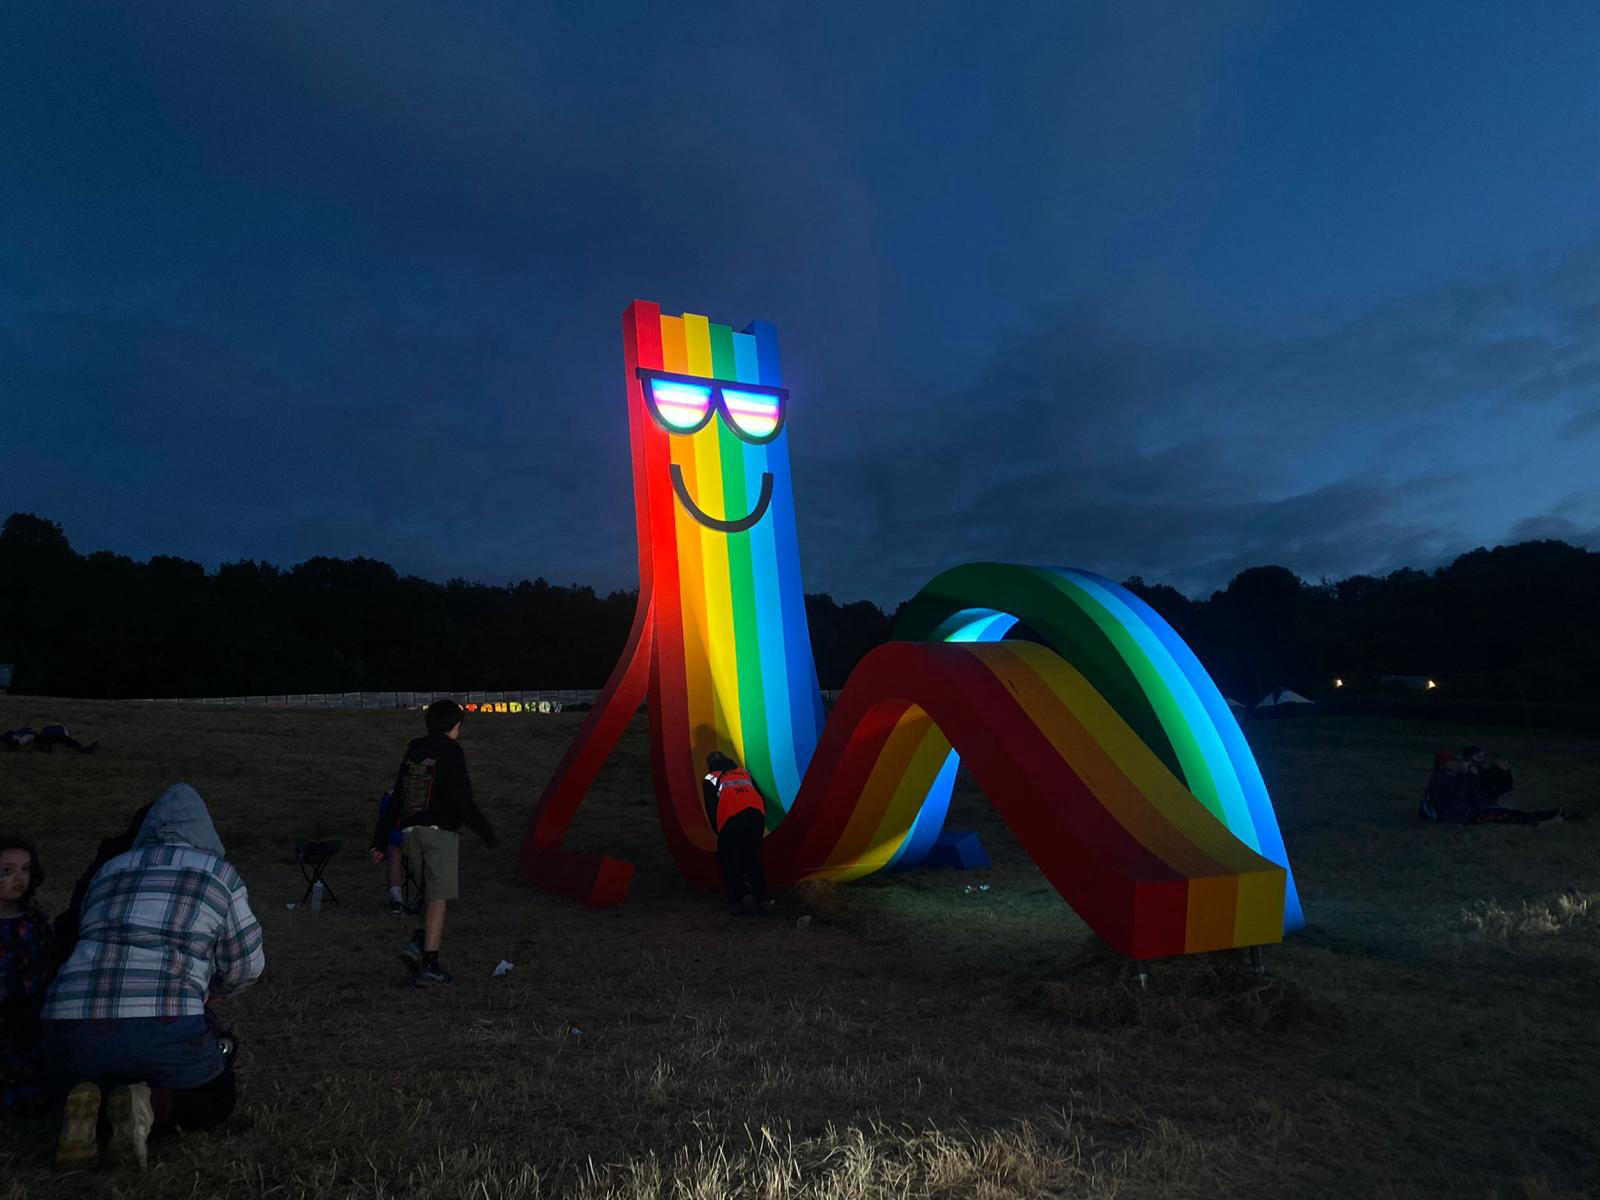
[697, 345]
[1133, 760]
[1247, 901]
[716, 598]
[860, 848]
[921, 768]
[1259, 921]
[691, 592]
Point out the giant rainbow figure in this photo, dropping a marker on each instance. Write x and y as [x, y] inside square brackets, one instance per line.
[1103, 744]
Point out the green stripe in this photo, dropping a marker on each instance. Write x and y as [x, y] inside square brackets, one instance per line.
[742, 592]
[1193, 766]
[1057, 616]
[723, 364]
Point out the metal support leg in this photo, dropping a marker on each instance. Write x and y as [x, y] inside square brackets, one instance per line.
[1143, 970]
[1256, 964]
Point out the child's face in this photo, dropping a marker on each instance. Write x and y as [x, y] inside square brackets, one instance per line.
[16, 873]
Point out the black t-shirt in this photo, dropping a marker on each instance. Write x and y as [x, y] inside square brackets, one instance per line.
[432, 788]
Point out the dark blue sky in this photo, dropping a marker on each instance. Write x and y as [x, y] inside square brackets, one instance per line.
[1145, 288]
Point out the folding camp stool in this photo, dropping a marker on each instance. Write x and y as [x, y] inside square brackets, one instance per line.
[414, 888]
[313, 859]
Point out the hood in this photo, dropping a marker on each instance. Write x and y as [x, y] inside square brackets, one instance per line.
[179, 816]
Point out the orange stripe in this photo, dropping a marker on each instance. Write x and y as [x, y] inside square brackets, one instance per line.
[1090, 761]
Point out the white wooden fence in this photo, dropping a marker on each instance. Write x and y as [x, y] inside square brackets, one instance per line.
[541, 701]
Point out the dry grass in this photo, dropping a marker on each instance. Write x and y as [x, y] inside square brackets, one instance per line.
[1430, 1034]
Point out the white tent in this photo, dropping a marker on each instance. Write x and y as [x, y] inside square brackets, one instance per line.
[1236, 708]
[1284, 701]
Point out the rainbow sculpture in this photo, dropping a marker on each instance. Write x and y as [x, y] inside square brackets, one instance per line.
[1104, 745]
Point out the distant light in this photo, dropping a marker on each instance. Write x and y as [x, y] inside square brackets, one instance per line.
[1338, 683]
[1432, 685]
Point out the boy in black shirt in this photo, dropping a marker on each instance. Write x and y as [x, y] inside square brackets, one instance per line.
[432, 799]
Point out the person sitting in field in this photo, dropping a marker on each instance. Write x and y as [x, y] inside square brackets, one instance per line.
[1494, 774]
[1457, 793]
[1452, 790]
[395, 863]
[27, 960]
[118, 843]
[165, 926]
[738, 817]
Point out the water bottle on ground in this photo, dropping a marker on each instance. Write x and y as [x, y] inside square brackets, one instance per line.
[316, 896]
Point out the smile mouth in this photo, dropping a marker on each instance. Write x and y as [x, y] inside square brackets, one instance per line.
[711, 522]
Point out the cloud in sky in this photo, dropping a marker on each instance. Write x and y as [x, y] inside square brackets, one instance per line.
[1437, 421]
[1172, 291]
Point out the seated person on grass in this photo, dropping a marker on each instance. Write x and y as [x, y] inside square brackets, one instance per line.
[1456, 793]
[118, 843]
[395, 868]
[27, 960]
[165, 927]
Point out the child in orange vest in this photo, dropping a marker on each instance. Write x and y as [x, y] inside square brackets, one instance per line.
[738, 815]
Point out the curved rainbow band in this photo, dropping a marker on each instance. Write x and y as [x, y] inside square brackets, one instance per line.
[1127, 845]
[1165, 704]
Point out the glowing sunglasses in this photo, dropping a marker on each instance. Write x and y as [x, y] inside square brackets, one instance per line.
[686, 404]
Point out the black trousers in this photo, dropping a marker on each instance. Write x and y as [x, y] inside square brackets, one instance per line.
[200, 1107]
[739, 852]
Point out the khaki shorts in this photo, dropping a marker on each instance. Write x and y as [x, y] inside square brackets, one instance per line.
[431, 855]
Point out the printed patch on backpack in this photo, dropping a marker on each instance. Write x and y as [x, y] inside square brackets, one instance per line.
[416, 788]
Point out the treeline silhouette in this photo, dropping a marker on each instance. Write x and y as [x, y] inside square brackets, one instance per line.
[104, 625]
[1516, 626]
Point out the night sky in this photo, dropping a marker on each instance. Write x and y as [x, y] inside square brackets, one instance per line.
[1161, 289]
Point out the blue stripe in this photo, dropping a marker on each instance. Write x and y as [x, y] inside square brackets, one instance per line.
[1243, 773]
[766, 581]
[805, 698]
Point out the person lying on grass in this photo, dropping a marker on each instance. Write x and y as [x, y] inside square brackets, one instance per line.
[1456, 794]
[27, 959]
[432, 799]
[165, 926]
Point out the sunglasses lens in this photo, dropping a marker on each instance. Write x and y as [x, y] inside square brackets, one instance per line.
[680, 405]
[754, 414]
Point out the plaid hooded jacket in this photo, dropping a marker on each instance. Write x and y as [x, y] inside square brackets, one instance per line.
[164, 926]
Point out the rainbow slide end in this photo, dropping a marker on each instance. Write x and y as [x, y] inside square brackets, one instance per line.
[1123, 840]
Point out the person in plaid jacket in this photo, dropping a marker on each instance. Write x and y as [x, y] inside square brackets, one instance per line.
[165, 928]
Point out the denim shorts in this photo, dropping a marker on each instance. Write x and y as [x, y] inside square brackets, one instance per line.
[167, 1052]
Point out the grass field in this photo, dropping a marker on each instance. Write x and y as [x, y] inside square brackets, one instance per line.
[1433, 1032]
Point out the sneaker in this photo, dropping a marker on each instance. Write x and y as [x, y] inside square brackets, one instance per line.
[412, 954]
[433, 975]
[77, 1150]
[396, 909]
[131, 1118]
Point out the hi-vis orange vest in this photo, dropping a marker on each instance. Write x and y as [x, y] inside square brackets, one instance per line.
[736, 791]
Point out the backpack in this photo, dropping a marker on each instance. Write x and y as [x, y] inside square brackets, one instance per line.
[415, 791]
